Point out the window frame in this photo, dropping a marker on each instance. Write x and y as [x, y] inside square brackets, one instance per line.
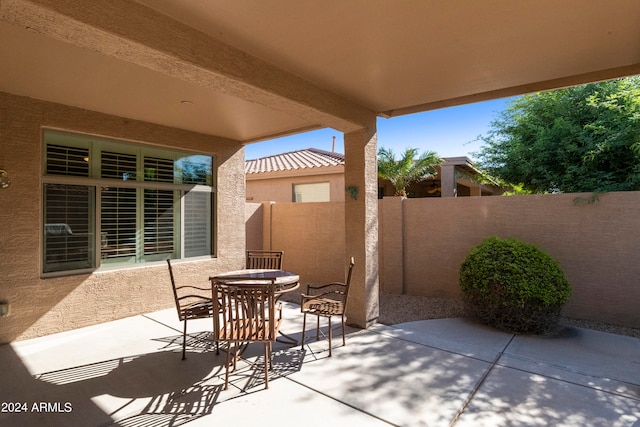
[98, 144]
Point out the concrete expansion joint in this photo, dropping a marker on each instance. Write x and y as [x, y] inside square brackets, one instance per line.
[480, 382]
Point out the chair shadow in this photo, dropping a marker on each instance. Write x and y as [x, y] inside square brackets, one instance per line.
[288, 361]
[156, 389]
[199, 341]
[249, 374]
[177, 409]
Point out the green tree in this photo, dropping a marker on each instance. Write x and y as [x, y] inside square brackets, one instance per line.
[580, 139]
[407, 169]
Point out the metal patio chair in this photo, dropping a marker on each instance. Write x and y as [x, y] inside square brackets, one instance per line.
[248, 313]
[326, 301]
[192, 302]
[265, 259]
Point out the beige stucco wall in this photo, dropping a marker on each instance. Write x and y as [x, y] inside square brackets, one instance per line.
[44, 306]
[254, 220]
[596, 244]
[423, 241]
[391, 254]
[262, 187]
[312, 236]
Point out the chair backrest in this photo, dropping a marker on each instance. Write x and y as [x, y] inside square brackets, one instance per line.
[265, 259]
[247, 312]
[348, 281]
[191, 301]
[175, 290]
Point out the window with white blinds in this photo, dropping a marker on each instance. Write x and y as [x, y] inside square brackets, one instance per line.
[118, 166]
[197, 220]
[68, 227]
[159, 222]
[147, 204]
[118, 224]
[313, 192]
[69, 161]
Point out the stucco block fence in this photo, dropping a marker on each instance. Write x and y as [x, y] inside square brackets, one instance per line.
[423, 241]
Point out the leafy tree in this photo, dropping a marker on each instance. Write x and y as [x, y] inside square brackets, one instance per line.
[407, 169]
[580, 139]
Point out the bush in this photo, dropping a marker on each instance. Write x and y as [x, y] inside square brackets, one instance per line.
[514, 286]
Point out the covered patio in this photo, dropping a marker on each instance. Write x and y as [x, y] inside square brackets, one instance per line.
[99, 346]
[440, 372]
[210, 77]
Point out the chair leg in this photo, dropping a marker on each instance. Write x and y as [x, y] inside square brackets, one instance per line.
[184, 340]
[236, 347]
[318, 329]
[217, 342]
[266, 364]
[226, 375]
[304, 325]
[344, 342]
[329, 318]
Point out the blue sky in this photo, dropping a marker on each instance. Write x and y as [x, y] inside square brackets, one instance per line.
[450, 132]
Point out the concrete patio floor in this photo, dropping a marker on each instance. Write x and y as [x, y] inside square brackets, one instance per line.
[427, 373]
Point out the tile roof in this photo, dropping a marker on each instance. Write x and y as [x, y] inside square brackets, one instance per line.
[300, 159]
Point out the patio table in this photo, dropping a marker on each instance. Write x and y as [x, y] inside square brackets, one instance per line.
[285, 281]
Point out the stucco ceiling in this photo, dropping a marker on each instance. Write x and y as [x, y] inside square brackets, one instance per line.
[251, 70]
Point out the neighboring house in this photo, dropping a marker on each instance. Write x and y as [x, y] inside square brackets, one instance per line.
[309, 175]
[313, 175]
[456, 176]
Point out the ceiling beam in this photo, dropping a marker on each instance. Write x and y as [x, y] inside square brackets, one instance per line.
[595, 76]
[132, 32]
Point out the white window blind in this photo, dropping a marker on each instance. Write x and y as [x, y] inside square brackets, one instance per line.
[68, 228]
[159, 218]
[313, 192]
[157, 169]
[158, 222]
[69, 161]
[118, 218]
[118, 166]
[197, 220]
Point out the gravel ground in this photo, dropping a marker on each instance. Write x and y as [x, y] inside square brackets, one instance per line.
[408, 308]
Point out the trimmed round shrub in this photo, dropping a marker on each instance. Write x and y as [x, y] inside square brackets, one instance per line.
[514, 286]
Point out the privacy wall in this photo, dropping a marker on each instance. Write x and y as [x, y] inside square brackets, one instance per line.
[312, 236]
[595, 243]
[423, 241]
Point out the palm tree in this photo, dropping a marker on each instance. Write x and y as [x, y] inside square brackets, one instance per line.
[407, 169]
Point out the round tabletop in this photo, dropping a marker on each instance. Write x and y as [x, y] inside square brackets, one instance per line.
[284, 280]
